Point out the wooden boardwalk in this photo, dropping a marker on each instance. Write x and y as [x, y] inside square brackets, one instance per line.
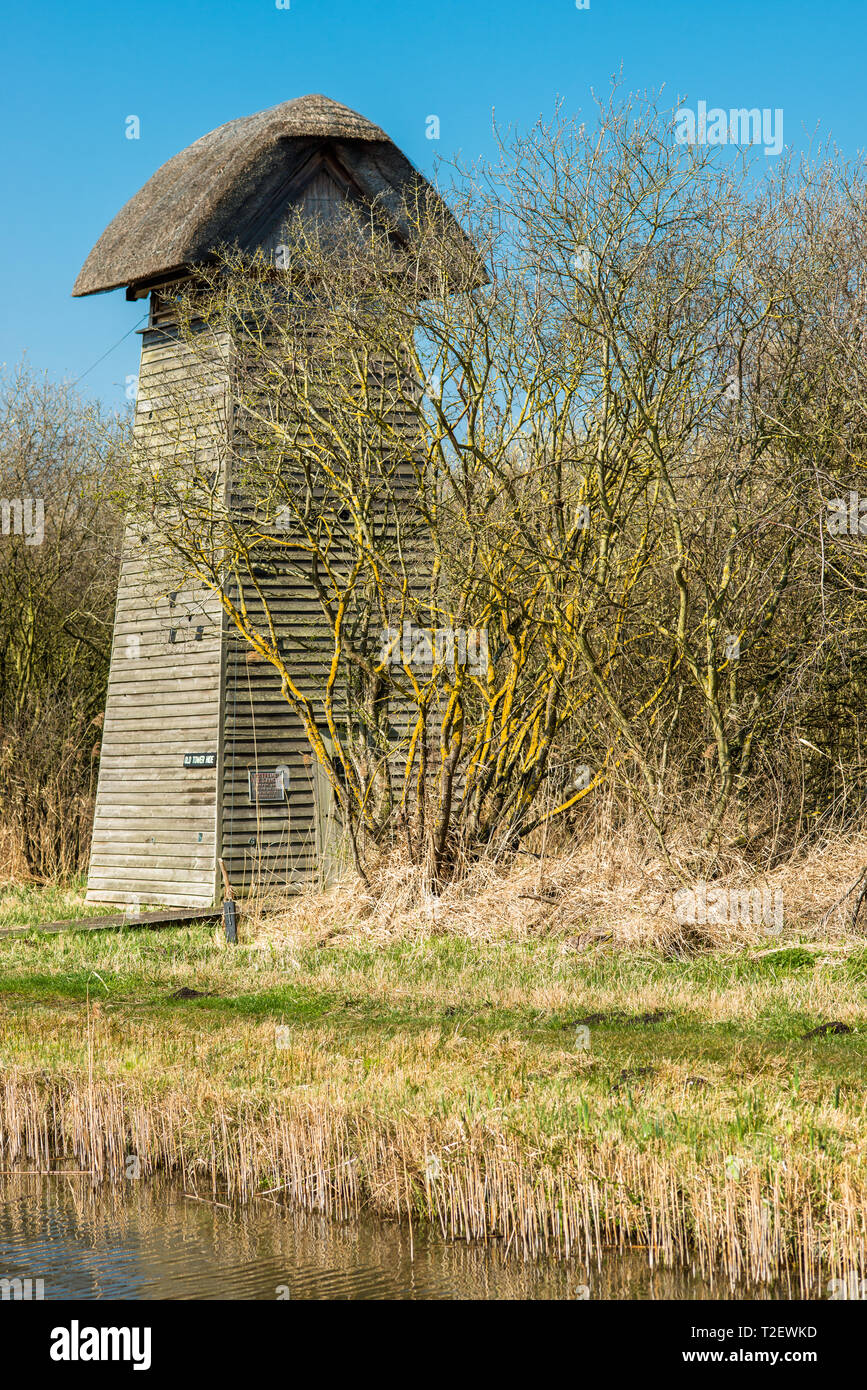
[166, 917]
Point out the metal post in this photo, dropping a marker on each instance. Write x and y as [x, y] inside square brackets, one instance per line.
[230, 916]
[230, 921]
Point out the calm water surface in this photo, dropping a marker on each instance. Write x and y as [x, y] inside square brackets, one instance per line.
[145, 1242]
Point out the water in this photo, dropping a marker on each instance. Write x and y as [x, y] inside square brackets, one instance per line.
[152, 1242]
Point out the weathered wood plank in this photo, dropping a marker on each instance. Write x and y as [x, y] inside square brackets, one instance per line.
[112, 922]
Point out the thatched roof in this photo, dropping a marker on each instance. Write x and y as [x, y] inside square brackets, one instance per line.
[222, 188]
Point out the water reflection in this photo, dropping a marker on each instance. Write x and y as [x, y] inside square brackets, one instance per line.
[152, 1242]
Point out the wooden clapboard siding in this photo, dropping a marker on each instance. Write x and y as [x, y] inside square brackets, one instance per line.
[306, 644]
[265, 844]
[155, 828]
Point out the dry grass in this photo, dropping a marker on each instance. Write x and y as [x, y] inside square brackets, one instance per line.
[13, 865]
[611, 888]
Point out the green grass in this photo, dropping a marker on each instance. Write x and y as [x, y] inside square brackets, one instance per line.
[32, 905]
[739, 1015]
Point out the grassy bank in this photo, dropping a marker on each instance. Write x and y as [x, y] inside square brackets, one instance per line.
[32, 905]
[554, 1098]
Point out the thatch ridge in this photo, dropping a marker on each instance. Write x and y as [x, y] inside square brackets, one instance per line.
[204, 195]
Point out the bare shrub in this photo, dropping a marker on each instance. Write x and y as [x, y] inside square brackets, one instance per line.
[57, 589]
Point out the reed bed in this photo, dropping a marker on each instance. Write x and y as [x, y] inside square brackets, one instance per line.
[471, 1185]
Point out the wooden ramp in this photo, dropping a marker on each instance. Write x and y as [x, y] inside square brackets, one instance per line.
[166, 917]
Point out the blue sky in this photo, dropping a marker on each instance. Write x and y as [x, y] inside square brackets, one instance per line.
[72, 75]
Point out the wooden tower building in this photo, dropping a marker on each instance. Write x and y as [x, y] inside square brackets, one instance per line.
[202, 759]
